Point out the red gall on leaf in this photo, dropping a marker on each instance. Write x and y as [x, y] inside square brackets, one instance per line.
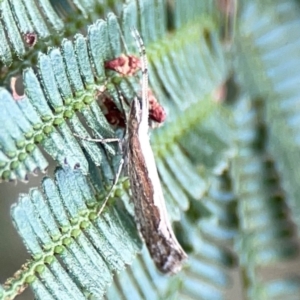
[156, 110]
[157, 114]
[30, 39]
[126, 65]
[111, 112]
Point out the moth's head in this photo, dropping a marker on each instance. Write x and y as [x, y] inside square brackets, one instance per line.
[135, 115]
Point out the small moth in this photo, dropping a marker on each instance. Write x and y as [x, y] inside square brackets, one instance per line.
[149, 204]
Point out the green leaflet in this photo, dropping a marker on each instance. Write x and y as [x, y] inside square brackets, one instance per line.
[275, 71]
[60, 230]
[43, 18]
[266, 233]
[20, 18]
[266, 64]
[19, 155]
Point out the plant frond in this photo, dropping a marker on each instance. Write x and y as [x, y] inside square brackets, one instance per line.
[19, 154]
[44, 22]
[60, 98]
[266, 234]
[268, 63]
[20, 18]
[74, 253]
[67, 80]
[228, 167]
[265, 63]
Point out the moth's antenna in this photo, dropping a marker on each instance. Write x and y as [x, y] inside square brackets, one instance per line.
[122, 101]
[144, 67]
[123, 41]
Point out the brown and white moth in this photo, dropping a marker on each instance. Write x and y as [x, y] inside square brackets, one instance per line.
[149, 204]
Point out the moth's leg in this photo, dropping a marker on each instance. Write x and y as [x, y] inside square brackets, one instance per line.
[144, 68]
[117, 176]
[103, 141]
[123, 102]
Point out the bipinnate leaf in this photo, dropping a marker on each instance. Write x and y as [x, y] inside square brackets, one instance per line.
[74, 253]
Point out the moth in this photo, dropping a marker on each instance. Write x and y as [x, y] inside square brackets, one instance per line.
[149, 205]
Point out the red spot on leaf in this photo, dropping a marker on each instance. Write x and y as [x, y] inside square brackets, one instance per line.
[115, 117]
[30, 39]
[156, 111]
[126, 65]
[112, 113]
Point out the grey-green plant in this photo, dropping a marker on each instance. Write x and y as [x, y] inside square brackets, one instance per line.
[226, 73]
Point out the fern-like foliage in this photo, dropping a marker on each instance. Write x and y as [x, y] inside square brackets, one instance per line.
[59, 99]
[226, 154]
[68, 80]
[266, 234]
[47, 21]
[19, 18]
[263, 171]
[275, 79]
[60, 232]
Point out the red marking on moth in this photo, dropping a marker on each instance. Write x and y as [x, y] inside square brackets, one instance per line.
[126, 65]
[30, 39]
